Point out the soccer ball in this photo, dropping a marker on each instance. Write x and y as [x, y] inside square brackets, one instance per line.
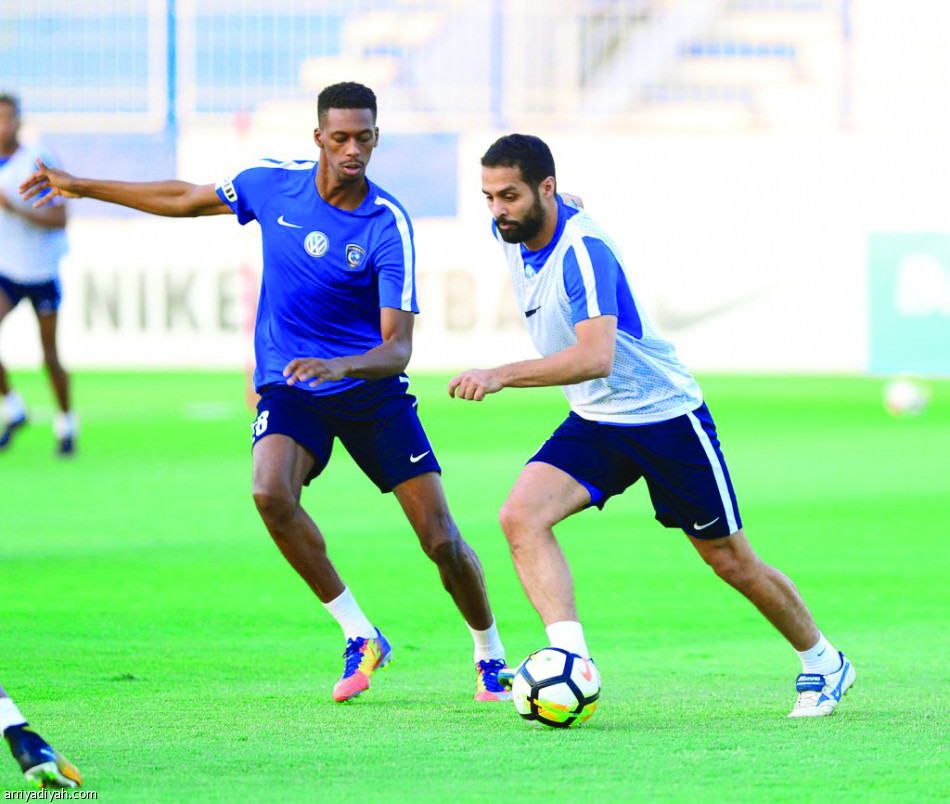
[556, 688]
[906, 397]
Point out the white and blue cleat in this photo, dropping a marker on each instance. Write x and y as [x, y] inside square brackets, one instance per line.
[819, 695]
[9, 429]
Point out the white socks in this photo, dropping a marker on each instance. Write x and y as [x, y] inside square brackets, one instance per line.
[568, 635]
[487, 643]
[66, 425]
[820, 658]
[347, 613]
[13, 407]
[9, 715]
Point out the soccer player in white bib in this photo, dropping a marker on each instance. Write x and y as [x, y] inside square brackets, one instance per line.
[32, 242]
[635, 413]
[332, 340]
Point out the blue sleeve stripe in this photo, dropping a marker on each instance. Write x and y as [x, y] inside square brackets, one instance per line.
[587, 275]
[402, 225]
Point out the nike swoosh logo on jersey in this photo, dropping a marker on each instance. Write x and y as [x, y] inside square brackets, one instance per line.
[529, 313]
[282, 222]
[417, 458]
[697, 526]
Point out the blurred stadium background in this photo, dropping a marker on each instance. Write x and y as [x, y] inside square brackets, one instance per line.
[774, 170]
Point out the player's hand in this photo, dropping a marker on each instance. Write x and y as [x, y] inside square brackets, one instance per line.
[56, 182]
[475, 384]
[315, 370]
[4, 201]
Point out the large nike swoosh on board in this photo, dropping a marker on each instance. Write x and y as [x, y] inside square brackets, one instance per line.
[673, 319]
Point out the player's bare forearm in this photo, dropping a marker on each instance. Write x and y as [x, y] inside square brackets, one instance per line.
[591, 357]
[567, 367]
[48, 217]
[386, 360]
[172, 198]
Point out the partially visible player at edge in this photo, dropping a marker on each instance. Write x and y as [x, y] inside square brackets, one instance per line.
[42, 765]
[635, 412]
[332, 339]
[32, 242]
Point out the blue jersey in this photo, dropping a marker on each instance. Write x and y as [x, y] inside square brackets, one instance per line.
[327, 271]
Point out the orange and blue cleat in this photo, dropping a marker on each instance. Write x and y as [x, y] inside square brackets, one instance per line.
[42, 765]
[362, 656]
[490, 679]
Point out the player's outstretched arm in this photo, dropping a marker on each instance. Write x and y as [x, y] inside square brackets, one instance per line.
[386, 360]
[591, 357]
[174, 199]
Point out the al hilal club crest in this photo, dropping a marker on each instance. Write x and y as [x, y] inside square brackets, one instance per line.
[354, 255]
[316, 244]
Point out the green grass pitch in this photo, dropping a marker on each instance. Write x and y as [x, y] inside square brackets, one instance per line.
[153, 633]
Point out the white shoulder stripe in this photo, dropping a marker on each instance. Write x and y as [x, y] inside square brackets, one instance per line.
[587, 274]
[289, 165]
[402, 225]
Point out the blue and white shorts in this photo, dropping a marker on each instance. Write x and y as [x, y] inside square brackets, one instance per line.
[680, 460]
[44, 296]
[376, 421]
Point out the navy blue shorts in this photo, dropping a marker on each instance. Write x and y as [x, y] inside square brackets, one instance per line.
[376, 422]
[680, 460]
[45, 297]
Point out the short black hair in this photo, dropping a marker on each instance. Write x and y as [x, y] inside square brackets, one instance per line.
[529, 154]
[12, 100]
[346, 95]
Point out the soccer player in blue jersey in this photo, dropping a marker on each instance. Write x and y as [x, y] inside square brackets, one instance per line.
[41, 764]
[332, 340]
[635, 413]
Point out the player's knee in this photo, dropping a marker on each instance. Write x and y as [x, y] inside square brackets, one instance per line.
[440, 537]
[736, 570]
[51, 359]
[515, 518]
[275, 504]
[445, 552]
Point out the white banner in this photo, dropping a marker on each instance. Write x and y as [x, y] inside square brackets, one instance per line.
[748, 252]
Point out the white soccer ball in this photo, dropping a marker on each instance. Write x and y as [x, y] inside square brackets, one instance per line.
[556, 688]
[906, 397]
